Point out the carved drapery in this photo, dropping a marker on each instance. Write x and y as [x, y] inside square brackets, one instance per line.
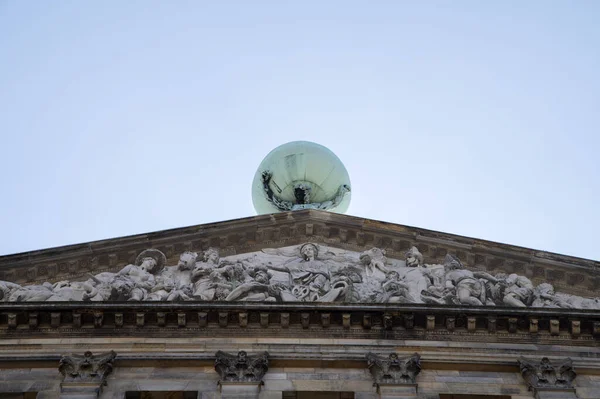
[305, 273]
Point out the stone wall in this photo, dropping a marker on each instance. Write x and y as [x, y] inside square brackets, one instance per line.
[431, 383]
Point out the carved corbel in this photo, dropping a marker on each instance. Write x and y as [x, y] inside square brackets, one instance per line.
[285, 320]
[264, 320]
[305, 320]
[546, 376]
[85, 375]
[430, 322]
[55, 319]
[202, 319]
[161, 319]
[243, 319]
[346, 320]
[394, 370]
[325, 319]
[223, 319]
[33, 320]
[181, 319]
[242, 367]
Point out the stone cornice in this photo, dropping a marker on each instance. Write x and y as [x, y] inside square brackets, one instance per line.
[309, 320]
[568, 274]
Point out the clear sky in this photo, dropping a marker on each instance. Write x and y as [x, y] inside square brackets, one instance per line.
[479, 118]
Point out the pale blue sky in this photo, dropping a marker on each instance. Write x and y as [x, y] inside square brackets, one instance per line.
[479, 118]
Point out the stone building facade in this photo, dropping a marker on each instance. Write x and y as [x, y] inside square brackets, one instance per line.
[376, 310]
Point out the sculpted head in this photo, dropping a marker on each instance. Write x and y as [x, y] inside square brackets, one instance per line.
[393, 275]
[545, 288]
[211, 255]
[373, 255]
[451, 262]
[260, 274]
[309, 251]
[414, 258]
[148, 264]
[187, 260]
[151, 260]
[524, 282]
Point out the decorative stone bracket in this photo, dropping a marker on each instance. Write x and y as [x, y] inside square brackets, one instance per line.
[395, 376]
[241, 375]
[549, 379]
[84, 376]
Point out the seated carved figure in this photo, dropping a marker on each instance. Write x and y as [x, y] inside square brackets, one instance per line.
[32, 293]
[518, 292]
[258, 289]
[469, 289]
[546, 298]
[374, 259]
[309, 277]
[394, 290]
[208, 277]
[135, 281]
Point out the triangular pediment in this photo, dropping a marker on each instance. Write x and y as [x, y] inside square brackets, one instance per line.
[340, 235]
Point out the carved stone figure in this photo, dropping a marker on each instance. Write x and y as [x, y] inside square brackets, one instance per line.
[259, 289]
[6, 289]
[545, 374]
[304, 273]
[71, 291]
[468, 287]
[86, 368]
[31, 293]
[394, 370]
[413, 257]
[208, 277]
[241, 367]
[374, 259]
[309, 277]
[518, 292]
[133, 282]
[393, 290]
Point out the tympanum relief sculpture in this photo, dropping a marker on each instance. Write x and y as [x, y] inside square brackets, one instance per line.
[304, 273]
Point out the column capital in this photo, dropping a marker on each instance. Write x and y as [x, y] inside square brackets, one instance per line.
[549, 379]
[84, 375]
[241, 367]
[394, 370]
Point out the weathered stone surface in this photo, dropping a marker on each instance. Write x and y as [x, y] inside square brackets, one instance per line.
[241, 367]
[394, 370]
[306, 273]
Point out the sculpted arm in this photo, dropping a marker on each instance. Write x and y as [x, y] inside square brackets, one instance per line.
[246, 288]
[125, 271]
[283, 269]
[485, 276]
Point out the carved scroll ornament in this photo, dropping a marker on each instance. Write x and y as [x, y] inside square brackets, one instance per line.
[547, 374]
[394, 370]
[87, 367]
[241, 367]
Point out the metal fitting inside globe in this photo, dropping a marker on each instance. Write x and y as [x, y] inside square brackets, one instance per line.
[301, 175]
